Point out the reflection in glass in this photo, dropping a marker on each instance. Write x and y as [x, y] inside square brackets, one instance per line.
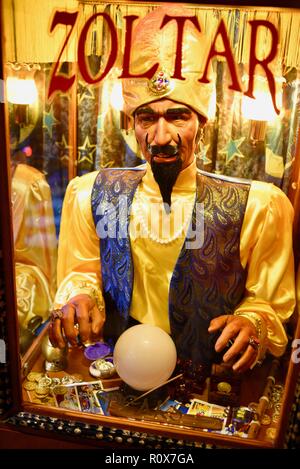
[38, 134]
[86, 129]
[35, 247]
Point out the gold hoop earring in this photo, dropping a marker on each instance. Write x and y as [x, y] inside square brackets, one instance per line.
[199, 141]
[201, 136]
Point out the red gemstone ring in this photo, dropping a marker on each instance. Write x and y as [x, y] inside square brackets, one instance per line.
[253, 342]
[56, 314]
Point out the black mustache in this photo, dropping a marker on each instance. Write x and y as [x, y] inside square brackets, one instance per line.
[169, 150]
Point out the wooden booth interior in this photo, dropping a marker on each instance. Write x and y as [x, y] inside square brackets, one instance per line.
[50, 137]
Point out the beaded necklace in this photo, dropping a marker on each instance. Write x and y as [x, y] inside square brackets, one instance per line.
[144, 222]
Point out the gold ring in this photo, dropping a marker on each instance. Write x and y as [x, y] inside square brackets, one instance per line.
[56, 314]
[253, 342]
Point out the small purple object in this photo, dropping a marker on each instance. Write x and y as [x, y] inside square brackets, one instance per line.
[98, 350]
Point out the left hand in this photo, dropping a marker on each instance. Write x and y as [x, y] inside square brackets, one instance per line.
[239, 329]
[82, 310]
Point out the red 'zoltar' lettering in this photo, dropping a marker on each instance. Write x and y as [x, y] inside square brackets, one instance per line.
[180, 20]
[225, 53]
[126, 58]
[61, 82]
[255, 24]
[85, 73]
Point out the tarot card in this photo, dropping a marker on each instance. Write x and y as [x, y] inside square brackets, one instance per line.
[87, 399]
[219, 411]
[104, 397]
[170, 405]
[183, 408]
[66, 397]
[199, 407]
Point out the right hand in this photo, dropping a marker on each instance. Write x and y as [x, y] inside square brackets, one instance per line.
[238, 329]
[80, 310]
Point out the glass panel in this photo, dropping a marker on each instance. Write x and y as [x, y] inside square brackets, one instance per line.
[40, 153]
[67, 120]
[42, 156]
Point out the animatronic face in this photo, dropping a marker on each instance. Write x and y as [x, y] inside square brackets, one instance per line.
[167, 134]
[166, 122]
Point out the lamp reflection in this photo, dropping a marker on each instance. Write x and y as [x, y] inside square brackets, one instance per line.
[21, 91]
[22, 94]
[260, 110]
[35, 246]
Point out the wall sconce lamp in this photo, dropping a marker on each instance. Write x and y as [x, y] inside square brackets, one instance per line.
[117, 102]
[260, 110]
[22, 95]
[21, 90]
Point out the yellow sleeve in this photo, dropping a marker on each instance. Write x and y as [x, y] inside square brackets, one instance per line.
[298, 288]
[78, 267]
[35, 243]
[266, 252]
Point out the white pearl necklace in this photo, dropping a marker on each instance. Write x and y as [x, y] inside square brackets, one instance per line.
[144, 223]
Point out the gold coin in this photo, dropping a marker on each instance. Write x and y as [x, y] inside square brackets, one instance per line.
[60, 390]
[51, 402]
[29, 385]
[40, 392]
[48, 400]
[55, 382]
[33, 376]
[224, 387]
[77, 377]
[67, 380]
[266, 420]
[270, 433]
[35, 400]
[44, 382]
[45, 398]
[38, 375]
[40, 396]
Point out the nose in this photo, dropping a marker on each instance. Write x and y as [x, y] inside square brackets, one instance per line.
[162, 134]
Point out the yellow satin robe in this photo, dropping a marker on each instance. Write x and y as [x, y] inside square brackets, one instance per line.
[265, 250]
[35, 243]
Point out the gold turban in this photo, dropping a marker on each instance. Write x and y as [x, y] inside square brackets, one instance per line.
[151, 45]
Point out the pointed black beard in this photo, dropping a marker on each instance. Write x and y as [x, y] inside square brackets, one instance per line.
[165, 174]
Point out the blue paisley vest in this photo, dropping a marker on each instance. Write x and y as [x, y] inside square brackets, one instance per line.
[207, 282]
